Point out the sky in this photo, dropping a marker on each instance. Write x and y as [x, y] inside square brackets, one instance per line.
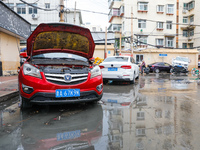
[91, 5]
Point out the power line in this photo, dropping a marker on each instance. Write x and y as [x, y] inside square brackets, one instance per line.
[137, 41]
[139, 18]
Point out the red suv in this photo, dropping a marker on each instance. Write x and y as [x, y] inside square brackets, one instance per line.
[59, 67]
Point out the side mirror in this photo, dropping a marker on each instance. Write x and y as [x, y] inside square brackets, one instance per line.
[91, 60]
[23, 55]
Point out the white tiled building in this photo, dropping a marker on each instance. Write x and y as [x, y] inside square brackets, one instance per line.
[166, 23]
[34, 15]
[48, 13]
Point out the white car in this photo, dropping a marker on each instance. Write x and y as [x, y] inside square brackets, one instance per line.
[119, 68]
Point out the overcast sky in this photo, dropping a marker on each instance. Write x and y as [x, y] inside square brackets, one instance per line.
[91, 5]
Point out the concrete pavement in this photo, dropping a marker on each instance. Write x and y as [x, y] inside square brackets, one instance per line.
[8, 87]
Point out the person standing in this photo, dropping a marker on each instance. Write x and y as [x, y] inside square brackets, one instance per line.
[143, 65]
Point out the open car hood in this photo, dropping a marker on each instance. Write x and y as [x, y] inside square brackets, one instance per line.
[61, 37]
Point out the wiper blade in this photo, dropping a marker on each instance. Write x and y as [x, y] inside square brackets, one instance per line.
[40, 58]
[67, 58]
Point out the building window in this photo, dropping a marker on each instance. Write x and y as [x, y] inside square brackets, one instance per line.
[140, 132]
[33, 10]
[184, 45]
[142, 40]
[185, 19]
[191, 33]
[170, 9]
[169, 41]
[169, 25]
[141, 23]
[10, 5]
[115, 27]
[115, 12]
[160, 8]
[159, 42]
[190, 45]
[192, 19]
[21, 8]
[140, 116]
[139, 58]
[158, 113]
[159, 25]
[190, 5]
[185, 33]
[143, 6]
[185, 6]
[47, 5]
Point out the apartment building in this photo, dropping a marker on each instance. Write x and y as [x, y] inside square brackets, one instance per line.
[167, 23]
[45, 11]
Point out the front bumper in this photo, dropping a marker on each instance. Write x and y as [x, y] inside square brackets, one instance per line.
[49, 98]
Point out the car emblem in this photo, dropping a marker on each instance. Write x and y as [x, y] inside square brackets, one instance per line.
[67, 77]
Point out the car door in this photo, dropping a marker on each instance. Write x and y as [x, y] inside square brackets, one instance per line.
[135, 67]
[167, 67]
[161, 66]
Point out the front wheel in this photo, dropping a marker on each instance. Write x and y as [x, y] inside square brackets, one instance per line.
[133, 81]
[157, 71]
[24, 103]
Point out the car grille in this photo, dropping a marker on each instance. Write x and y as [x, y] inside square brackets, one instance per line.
[60, 78]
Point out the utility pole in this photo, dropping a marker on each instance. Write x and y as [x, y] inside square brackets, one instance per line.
[131, 31]
[120, 42]
[75, 13]
[61, 13]
[105, 50]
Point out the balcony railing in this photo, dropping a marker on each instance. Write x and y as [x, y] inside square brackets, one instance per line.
[121, 10]
[113, 13]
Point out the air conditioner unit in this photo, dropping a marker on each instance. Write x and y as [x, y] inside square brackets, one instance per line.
[185, 11]
[189, 38]
[34, 16]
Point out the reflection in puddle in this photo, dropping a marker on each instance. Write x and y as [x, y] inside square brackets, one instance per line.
[150, 114]
[155, 119]
[76, 130]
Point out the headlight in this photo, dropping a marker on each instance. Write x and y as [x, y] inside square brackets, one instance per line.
[96, 71]
[31, 71]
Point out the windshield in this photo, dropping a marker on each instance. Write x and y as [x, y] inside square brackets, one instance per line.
[59, 56]
[116, 59]
[182, 59]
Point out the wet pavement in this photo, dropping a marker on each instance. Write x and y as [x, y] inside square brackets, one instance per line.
[160, 111]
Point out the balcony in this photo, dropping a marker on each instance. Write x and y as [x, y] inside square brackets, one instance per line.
[115, 27]
[113, 13]
[121, 11]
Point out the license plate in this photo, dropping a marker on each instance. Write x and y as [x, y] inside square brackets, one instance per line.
[68, 135]
[67, 92]
[112, 69]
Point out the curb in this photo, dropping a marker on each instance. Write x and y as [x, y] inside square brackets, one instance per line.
[8, 96]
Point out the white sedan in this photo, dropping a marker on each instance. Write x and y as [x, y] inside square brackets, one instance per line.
[119, 68]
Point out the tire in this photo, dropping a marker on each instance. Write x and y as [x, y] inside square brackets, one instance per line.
[133, 81]
[157, 70]
[105, 81]
[138, 76]
[24, 104]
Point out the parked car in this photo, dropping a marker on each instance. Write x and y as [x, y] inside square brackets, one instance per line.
[159, 66]
[58, 68]
[180, 65]
[119, 68]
